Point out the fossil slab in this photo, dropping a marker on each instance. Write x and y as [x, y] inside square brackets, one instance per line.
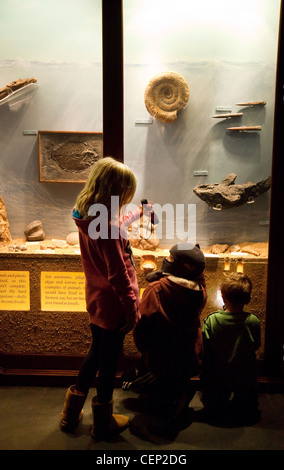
[165, 95]
[227, 194]
[74, 156]
[68, 156]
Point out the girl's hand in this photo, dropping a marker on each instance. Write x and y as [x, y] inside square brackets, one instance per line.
[130, 323]
[146, 208]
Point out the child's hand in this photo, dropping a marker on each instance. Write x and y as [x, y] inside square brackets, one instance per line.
[130, 323]
[146, 209]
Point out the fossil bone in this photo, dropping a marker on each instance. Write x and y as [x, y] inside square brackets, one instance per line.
[165, 95]
[244, 128]
[227, 116]
[227, 194]
[252, 103]
[15, 85]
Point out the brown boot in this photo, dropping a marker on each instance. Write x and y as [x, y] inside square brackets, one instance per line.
[72, 410]
[106, 424]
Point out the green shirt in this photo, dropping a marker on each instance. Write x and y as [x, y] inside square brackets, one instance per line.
[230, 341]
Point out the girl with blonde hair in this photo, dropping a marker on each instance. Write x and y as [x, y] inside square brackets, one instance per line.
[112, 295]
[108, 178]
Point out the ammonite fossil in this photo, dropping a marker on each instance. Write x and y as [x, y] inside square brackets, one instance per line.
[165, 95]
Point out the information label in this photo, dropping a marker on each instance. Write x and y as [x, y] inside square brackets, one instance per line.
[14, 290]
[63, 291]
[142, 291]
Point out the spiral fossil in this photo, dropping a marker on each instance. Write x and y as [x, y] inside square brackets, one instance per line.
[165, 95]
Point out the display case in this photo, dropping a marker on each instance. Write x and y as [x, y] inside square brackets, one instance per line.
[190, 107]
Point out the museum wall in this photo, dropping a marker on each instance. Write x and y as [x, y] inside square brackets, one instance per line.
[225, 55]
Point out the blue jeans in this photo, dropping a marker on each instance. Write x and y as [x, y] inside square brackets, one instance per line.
[102, 356]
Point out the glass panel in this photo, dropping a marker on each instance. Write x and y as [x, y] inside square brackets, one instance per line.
[59, 44]
[227, 54]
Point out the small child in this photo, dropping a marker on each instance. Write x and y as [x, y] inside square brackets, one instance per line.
[168, 335]
[230, 339]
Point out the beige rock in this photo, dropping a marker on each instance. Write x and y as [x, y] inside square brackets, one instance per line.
[34, 231]
[165, 95]
[73, 238]
[142, 236]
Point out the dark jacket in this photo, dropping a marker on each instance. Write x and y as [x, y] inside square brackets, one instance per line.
[168, 334]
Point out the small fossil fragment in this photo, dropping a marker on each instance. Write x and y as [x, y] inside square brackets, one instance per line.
[244, 128]
[234, 248]
[73, 238]
[74, 156]
[218, 248]
[252, 103]
[251, 251]
[15, 85]
[34, 231]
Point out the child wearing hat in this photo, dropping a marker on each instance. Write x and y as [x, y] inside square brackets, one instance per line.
[168, 335]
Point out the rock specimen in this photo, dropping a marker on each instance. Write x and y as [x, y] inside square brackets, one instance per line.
[5, 236]
[227, 194]
[17, 248]
[234, 248]
[142, 235]
[73, 238]
[218, 248]
[15, 85]
[34, 231]
[251, 251]
[165, 95]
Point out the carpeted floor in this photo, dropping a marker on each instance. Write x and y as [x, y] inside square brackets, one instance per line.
[29, 420]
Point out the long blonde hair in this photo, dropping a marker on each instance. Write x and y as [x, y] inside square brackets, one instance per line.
[108, 178]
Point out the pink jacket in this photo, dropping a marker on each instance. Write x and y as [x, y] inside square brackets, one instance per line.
[112, 292]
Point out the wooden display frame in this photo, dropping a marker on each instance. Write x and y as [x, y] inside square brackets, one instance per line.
[59, 155]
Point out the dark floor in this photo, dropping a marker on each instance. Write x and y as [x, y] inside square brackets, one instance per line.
[29, 420]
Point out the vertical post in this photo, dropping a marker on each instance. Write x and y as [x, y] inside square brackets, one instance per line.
[274, 331]
[112, 28]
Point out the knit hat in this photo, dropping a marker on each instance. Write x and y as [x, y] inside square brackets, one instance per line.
[189, 263]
